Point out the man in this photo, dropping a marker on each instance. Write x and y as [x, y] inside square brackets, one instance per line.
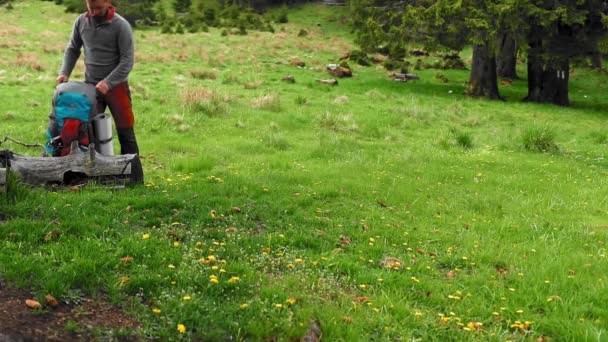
[107, 40]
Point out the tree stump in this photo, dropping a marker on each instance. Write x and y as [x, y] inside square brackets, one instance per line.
[339, 71]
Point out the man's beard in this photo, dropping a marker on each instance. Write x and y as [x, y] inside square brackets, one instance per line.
[100, 18]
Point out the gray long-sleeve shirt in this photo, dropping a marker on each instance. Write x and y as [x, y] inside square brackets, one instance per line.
[108, 49]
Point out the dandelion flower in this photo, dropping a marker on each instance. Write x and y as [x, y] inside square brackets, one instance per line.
[145, 236]
[176, 244]
[181, 328]
[278, 306]
[211, 258]
[156, 310]
[233, 280]
[244, 306]
[187, 297]
[291, 301]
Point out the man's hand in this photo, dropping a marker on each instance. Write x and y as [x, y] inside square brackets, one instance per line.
[102, 87]
[61, 79]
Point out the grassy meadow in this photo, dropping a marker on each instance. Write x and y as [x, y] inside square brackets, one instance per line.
[382, 210]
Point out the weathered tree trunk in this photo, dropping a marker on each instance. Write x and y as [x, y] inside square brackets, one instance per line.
[506, 55]
[597, 60]
[547, 83]
[80, 165]
[2, 180]
[483, 80]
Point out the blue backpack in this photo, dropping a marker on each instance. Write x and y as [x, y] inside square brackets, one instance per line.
[74, 105]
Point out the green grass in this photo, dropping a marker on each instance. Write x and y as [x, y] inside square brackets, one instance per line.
[302, 190]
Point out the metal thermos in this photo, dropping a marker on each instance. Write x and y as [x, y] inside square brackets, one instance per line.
[103, 131]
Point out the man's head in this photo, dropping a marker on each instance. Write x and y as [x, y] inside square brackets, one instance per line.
[98, 8]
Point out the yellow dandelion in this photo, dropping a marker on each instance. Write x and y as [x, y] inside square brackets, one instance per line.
[211, 258]
[156, 310]
[145, 236]
[176, 244]
[213, 214]
[244, 306]
[171, 266]
[187, 297]
[298, 260]
[215, 268]
[181, 328]
[278, 306]
[291, 301]
[233, 280]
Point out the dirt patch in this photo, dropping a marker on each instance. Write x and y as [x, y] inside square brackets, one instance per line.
[92, 319]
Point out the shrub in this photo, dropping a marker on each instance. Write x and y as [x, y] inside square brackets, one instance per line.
[599, 137]
[360, 58]
[337, 123]
[209, 16]
[282, 15]
[166, 28]
[463, 139]
[201, 100]
[267, 102]
[203, 74]
[301, 100]
[392, 64]
[540, 139]
[270, 28]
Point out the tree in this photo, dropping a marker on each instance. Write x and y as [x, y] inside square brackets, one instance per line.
[132, 10]
[506, 54]
[440, 24]
[182, 6]
[551, 31]
[560, 31]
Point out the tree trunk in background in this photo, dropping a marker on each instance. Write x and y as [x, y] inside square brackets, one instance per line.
[506, 55]
[547, 83]
[597, 60]
[483, 80]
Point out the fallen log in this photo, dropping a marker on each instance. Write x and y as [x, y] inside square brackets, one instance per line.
[289, 79]
[404, 77]
[75, 167]
[330, 82]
